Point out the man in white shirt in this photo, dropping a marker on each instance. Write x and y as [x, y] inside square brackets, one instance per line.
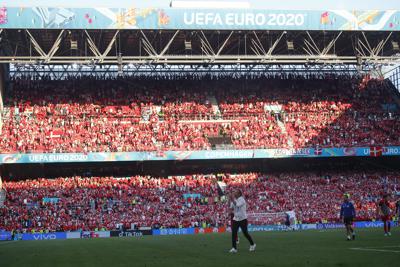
[238, 204]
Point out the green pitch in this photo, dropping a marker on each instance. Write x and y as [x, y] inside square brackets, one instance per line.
[307, 248]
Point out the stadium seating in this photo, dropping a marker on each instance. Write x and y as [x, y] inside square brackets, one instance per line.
[127, 114]
[91, 203]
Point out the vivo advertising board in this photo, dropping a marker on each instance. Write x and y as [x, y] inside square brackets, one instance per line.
[45, 236]
[377, 224]
[5, 235]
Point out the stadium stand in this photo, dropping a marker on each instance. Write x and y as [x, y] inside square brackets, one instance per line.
[90, 203]
[132, 122]
[87, 114]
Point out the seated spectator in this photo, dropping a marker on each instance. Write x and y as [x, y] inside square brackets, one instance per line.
[87, 203]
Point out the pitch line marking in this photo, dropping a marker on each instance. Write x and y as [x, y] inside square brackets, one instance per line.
[377, 250]
[386, 247]
[398, 246]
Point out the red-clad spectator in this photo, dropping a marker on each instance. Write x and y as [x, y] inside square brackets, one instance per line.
[96, 202]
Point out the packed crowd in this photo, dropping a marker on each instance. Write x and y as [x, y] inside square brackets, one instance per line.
[126, 114]
[91, 203]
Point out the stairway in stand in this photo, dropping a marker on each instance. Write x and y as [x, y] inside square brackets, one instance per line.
[215, 107]
[282, 126]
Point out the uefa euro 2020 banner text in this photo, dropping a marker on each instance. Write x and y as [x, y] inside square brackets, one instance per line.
[153, 18]
[374, 151]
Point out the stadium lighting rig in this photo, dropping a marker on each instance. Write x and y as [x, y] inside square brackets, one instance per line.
[395, 46]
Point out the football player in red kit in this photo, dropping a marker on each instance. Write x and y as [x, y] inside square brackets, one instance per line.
[384, 210]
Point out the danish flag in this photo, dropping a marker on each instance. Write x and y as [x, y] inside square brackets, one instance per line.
[57, 133]
[318, 151]
[375, 151]
[160, 154]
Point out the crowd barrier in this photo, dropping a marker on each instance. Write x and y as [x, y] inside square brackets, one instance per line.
[5, 235]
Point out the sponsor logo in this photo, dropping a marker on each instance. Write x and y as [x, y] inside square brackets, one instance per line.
[89, 235]
[174, 231]
[181, 231]
[11, 158]
[130, 234]
[5, 235]
[44, 236]
[292, 152]
[329, 225]
[225, 154]
[210, 230]
[373, 224]
[57, 157]
[266, 228]
[349, 151]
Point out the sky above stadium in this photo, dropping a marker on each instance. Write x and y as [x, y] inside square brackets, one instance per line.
[265, 4]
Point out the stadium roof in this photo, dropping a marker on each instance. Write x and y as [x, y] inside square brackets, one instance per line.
[202, 15]
[265, 32]
[197, 47]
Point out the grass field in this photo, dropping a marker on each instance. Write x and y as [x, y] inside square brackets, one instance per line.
[307, 248]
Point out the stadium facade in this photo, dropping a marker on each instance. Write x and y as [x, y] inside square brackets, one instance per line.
[187, 36]
[305, 45]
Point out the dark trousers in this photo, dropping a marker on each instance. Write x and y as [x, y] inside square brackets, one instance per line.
[235, 228]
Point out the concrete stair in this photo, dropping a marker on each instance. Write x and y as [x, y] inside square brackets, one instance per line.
[284, 131]
[214, 103]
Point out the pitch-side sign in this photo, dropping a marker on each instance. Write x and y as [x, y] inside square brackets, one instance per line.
[375, 151]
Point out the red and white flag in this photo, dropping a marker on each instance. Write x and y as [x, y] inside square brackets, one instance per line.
[375, 151]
